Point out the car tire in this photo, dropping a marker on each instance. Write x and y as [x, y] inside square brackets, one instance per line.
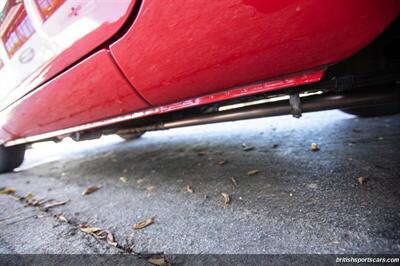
[131, 136]
[11, 157]
[377, 110]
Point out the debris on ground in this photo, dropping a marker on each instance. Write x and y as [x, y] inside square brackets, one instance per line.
[234, 182]
[227, 198]
[312, 186]
[7, 190]
[314, 147]
[45, 206]
[158, 260]
[123, 179]
[90, 190]
[29, 196]
[139, 181]
[253, 172]
[62, 218]
[100, 234]
[189, 189]
[223, 162]
[143, 224]
[151, 188]
[361, 180]
[202, 153]
[246, 147]
[274, 146]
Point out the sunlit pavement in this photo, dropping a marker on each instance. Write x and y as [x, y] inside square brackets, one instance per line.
[298, 201]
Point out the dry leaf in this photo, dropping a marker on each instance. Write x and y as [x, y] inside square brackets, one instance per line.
[62, 218]
[52, 203]
[234, 182]
[314, 147]
[7, 190]
[151, 188]
[248, 148]
[90, 230]
[202, 153]
[29, 196]
[90, 190]
[189, 189]
[158, 261]
[361, 180]
[100, 234]
[253, 172]
[227, 199]
[111, 239]
[123, 179]
[223, 162]
[144, 223]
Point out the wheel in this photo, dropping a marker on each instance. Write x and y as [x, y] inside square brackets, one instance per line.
[376, 110]
[131, 136]
[11, 157]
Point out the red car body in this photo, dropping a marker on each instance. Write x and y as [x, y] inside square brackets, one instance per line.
[103, 62]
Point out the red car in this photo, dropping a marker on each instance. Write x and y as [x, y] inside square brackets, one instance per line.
[84, 68]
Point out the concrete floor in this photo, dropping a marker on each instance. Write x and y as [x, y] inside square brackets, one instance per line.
[299, 201]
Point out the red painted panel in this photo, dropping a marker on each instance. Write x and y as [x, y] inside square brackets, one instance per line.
[284, 82]
[90, 91]
[179, 49]
[5, 136]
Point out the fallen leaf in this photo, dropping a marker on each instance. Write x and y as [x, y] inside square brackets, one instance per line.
[123, 179]
[189, 189]
[227, 199]
[151, 188]
[90, 190]
[7, 190]
[361, 180]
[139, 181]
[223, 162]
[100, 234]
[144, 223]
[90, 230]
[253, 172]
[62, 218]
[29, 196]
[248, 148]
[34, 202]
[234, 182]
[52, 203]
[202, 153]
[158, 261]
[111, 239]
[314, 147]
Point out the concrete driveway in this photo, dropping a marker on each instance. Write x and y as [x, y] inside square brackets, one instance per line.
[283, 197]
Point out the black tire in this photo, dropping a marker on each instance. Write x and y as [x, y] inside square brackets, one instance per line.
[11, 157]
[131, 136]
[376, 110]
